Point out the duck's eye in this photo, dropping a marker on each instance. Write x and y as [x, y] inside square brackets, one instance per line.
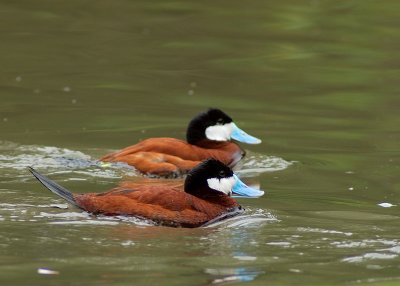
[222, 174]
[220, 121]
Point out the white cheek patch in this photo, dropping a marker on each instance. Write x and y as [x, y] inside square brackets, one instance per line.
[219, 132]
[223, 185]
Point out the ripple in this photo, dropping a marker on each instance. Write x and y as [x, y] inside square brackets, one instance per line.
[84, 222]
[66, 215]
[99, 220]
[394, 249]
[46, 271]
[245, 258]
[232, 275]
[14, 158]
[254, 164]
[374, 253]
[369, 256]
[386, 205]
[280, 243]
[364, 243]
[320, 230]
[128, 219]
[246, 220]
[79, 218]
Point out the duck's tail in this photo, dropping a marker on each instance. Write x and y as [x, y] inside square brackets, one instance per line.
[54, 187]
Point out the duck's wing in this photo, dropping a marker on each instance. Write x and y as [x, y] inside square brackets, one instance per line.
[165, 207]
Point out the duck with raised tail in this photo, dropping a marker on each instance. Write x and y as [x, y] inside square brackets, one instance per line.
[206, 198]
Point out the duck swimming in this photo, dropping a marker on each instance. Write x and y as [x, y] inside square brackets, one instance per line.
[206, 198]
[208, 135]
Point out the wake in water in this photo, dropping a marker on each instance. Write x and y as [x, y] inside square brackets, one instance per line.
[73, 216]
[254, 164]
[249, 219]
[15, 158]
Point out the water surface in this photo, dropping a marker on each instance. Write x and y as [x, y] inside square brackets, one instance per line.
[317, 81]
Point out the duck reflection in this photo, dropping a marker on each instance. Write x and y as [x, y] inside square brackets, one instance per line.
[234, 243]
[232, 275]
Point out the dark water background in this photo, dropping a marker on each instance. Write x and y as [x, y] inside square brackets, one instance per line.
[318, 81]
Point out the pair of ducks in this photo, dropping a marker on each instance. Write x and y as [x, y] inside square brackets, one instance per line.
[207, 158]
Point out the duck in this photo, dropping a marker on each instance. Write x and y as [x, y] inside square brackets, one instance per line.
[209, 135]
[207, 198]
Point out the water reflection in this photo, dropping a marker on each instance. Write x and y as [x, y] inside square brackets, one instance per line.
[232, 275]
[234, 239]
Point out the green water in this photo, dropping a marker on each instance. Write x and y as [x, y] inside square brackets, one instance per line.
[318, 81]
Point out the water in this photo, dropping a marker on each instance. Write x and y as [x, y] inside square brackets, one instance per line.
[317, 81]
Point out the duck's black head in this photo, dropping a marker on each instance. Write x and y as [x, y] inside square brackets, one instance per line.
[198, 126]
[216, 125]
[210, 178]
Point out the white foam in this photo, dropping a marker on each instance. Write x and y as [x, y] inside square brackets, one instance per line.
[386, 205]
[250, 220]
[320, 230]
[67, 215]
[15, 158]
[85, 222]
[279, 243]
[369, 256]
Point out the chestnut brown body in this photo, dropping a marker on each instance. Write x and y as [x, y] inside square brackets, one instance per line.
[205, 197]
[166, 156]
[164, 206]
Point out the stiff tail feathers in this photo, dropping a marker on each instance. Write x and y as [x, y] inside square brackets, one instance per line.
[54, 187]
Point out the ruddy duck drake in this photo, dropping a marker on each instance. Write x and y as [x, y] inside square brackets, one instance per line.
[206, 198]
[208, 135]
